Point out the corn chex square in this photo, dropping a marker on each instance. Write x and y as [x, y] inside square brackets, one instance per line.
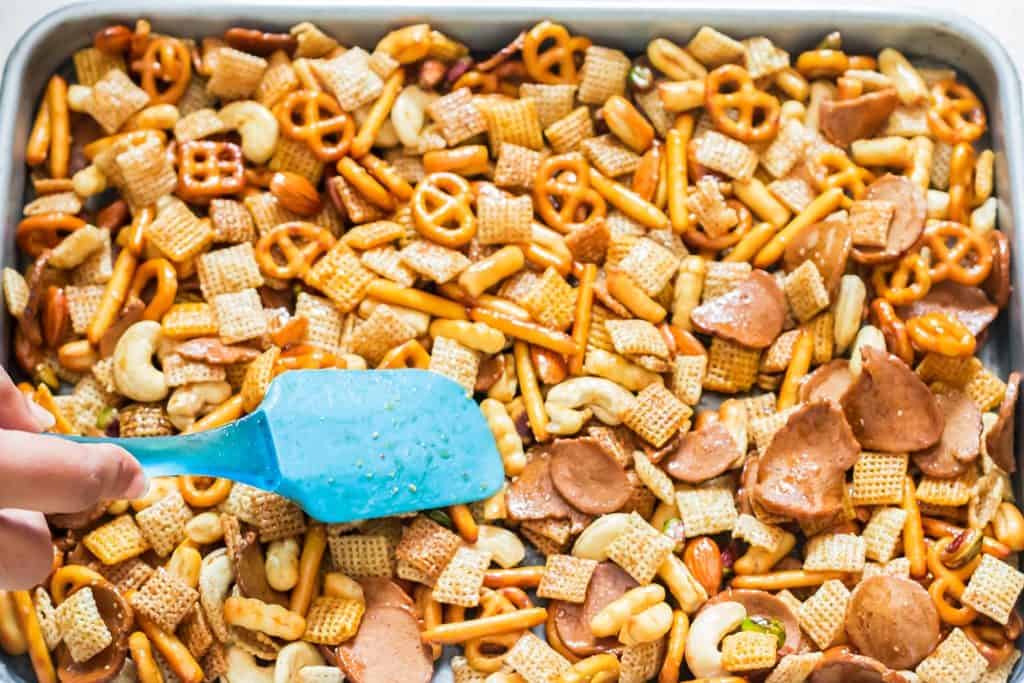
[589, 243]
[636, 337]
[706, 509]
[92, 64]
[640, 663]
[46, 613]
[878, 478]
[278, 517]
[566, 134]
[427, 546]
[387, 262]
[609, 156]
[127, 575]
[177, 233]
[232, 269]
[656, 414]
[146, 173]
[948, 492]
[566, 578]
[258, 376]
[433, 261]
[144, 419]
[758, 534]
[163, 523]
[553, 101]
[504, 220]
[883, 532]
[349, 78]
[331, 621]
[15, 292]
[236, 74]
[823, 615]
[463, 577]
[535, 660]
[188, 320]
[195, 632]
[654, 478]
[114, 99]
[993, 589]
[83, 302]
[786, 149]
[836, 553]
[340, 276]
[81, 626]
[725, 155]
[732, 368]
[955, 659]
[455, 361]
[295, 156]
[822, 327]
[640, 550]
[795, 668]
[516, 166]
[722, 277]
[551, 300]
[239, 316]
[805, 291]
[776, 358]
[748, 651]
[361, 555]
[458, 116]
[869, 222]
[687, 378]
[179, 371]
[713, 48]
[513, 122]
[650, 265]
[323, 329]
[116, 541]
[794, 192]
[165, 599]
[900, 567]
[603, 74]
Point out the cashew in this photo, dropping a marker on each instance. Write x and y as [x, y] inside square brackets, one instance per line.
[216, 575]
[714, 623]
[134, 373]
[282, 565]
[616, 368]
[617, 613]
[204, 528]
[292, 658]
[243, 668]
[408, 114]
[79, 97]
[319, 674]
[192, 400]
[650, 624]
[257, 127]
[761, 560]
[608, 401]
[870, 336]
[504, 546]
[338, 585]
[594, 541]
[89, 181]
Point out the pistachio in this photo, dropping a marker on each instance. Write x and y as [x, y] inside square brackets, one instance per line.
[964, 547]
[762, 624]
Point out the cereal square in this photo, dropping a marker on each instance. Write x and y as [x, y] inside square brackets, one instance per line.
[163, 523]
[81, 626]
[459, 117]
[823, 615]
[640, 550]
[359, 555]
[535, 660]
[748, 651]
[566, 578]
[164, 599]
[463, 577]
[656, 414]
[116, 541]
[955, 659]
[878, 478]
[836, 553]
[993, 589]
[332, 621]
[232, 269]
[883, 532]
[707, 509]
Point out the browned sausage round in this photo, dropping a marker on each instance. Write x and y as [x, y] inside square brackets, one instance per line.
[907, 222]
[828, 383]
[607, 583]
[827, 245]
[761, 603]
[533, 495]
[387, 648]
[703, 454]
[843, 121]
[893, 620]
[1000, 439]
[752, 314]
[968, 304]
[961, 437]
[590, 479]
[842, 666]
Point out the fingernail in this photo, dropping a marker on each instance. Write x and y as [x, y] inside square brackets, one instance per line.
[43, 418]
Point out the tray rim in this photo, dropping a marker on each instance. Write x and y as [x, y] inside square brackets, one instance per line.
[1007, 78]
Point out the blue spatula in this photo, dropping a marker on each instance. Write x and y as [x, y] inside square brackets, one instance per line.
[346, 445]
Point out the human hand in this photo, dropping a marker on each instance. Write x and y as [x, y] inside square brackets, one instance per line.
[45, 474]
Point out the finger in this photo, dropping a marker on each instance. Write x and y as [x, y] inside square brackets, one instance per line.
[50, 474]
[17, 411]
[28, 552]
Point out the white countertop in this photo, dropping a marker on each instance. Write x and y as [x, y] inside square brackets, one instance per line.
[1004, 18]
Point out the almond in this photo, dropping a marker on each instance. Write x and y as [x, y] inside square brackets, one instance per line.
[704, 560]
[295, 193]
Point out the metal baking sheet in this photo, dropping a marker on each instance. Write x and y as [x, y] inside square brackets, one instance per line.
[490, 24]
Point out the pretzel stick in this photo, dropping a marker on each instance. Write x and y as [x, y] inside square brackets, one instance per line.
[12, 639]
[60, 127]
[675, 158]
[520, 577]
[309, 568]
[390, 293]
[451, 634]
[42, 664]
[530, 390]
[38, 146]
[364, 139]
[179, 659]
[776, 581]
[584, 307]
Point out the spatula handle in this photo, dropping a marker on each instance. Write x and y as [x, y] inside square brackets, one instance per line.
[242, 451]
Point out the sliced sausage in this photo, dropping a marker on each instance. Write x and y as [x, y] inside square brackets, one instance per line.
[213, 350]
[703, 454]
[827, 245]
[607, 583]
[997, 286]
[802, 472]
[752, 314]
[889, 408]
[960, 443]
[383, 592]
[907, 221]
[877, 617]
[587, 477]
[969, 304]
[533, 495]
[118, 616]
[828, 383]
[761, 603]
[999, 441]
[839, 665]
[386, 649]
[843, 121]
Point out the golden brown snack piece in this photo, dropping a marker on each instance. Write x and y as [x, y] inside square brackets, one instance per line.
[751, 314]
[877, 619]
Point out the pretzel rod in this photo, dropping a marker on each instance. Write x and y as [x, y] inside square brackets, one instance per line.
[60, 127]
[776, 581]
[525, 330]
[451, 634]
[628, 202]
[38, 146]
[462, 520]
[648, 173]
[387, 176]
[430, 613]
[581, 324]
[42, 664]
[466, 160]
[390, 293]
[12, 638]
[520, 577]
[799, 364]
[530, 389]
[142, 655]
[503, 306]
[179, 659]
[313, 548]
[913, 533]
[622, 287]
[676, 142]
[822, 205]
[367, 134]
[228, 411]
[676, 648]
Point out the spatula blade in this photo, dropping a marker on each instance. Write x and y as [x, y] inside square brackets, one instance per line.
[363, 444]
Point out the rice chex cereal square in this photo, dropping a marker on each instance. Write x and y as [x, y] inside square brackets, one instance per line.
[81, 626]
[955, 659]
[707, 509]
[993, 589]
[463, 577]
[836, 553]
[640, 550]
[164, 599]
[566, 578]
[361, 555]
[163, 523]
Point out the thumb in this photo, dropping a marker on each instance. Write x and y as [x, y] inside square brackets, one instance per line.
[18, 411]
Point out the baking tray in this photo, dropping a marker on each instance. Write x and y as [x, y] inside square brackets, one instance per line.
[489, 24]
